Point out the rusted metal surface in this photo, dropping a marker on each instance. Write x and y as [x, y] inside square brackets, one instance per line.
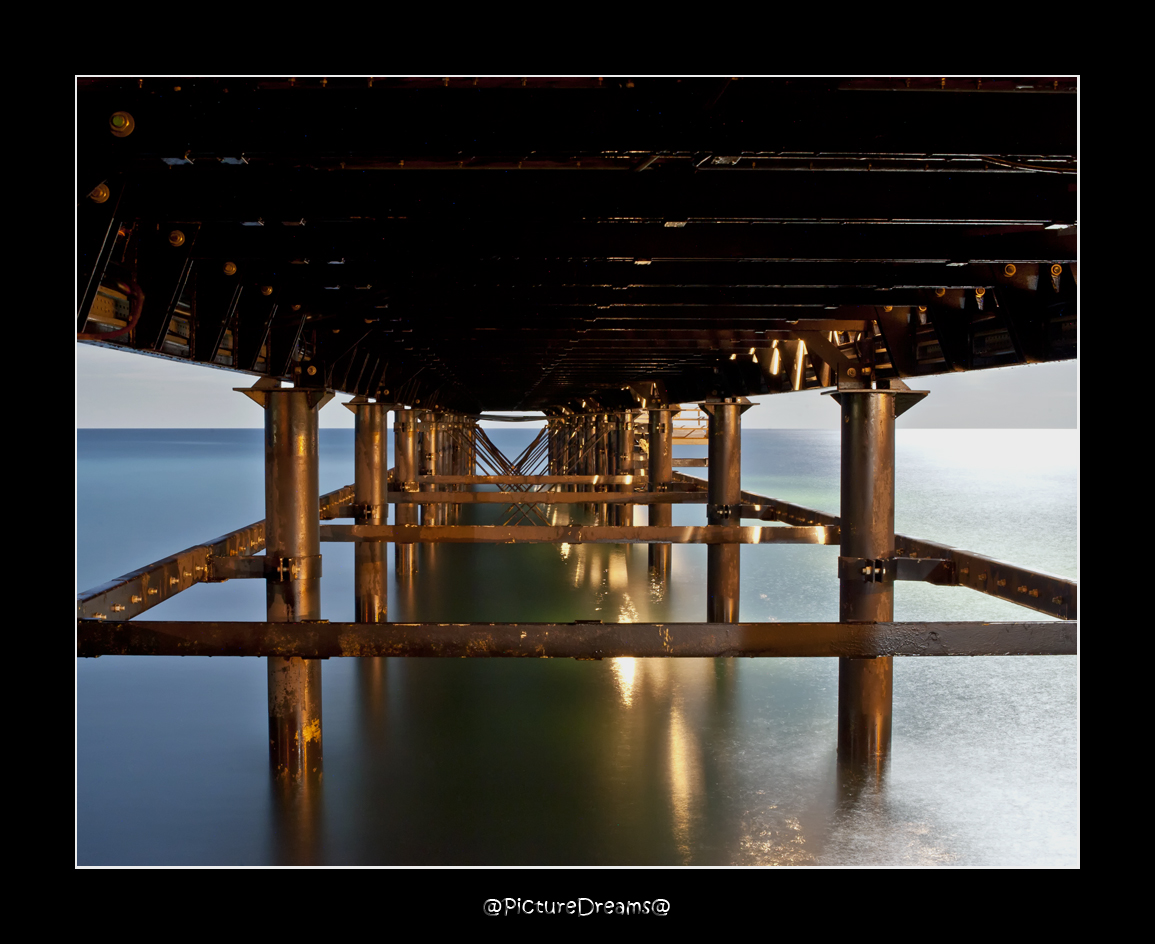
[723, 561]
[546, 498]
[370, 506]
[577, 534]
[1045, 593]
[866, 685]
[576, 640]
[140, 590]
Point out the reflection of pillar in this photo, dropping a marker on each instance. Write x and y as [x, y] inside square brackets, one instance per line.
[724, 496]
[370, 478]
[661, 473]
[866, 591]
[405, 475]
[293, 588]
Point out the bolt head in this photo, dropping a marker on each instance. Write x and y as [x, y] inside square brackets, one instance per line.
[1009, 269]
[311, 370]
[1056, 269]
[176, 238]
[266, 290]
[100, 194]
[120, 123]
[940, 292]
[230, 268]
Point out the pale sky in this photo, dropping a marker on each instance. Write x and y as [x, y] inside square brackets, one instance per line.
[120, 389]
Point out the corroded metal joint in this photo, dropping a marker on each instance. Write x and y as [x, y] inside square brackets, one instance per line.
[282, 569]
[867, 570]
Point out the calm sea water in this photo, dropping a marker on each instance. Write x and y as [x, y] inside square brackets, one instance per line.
[620, 762]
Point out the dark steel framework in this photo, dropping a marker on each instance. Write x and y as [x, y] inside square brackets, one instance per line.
[602, 251]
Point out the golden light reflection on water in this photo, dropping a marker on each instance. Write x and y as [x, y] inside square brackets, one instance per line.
[685, 781]
[625, 669]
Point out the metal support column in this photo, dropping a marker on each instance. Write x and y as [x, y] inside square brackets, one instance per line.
[370, 484]
[428, 465]
[293, 569]
[661, 474]
[602, 459]
[866, 590]
[405, 480]
[723, 568]
[626, 464]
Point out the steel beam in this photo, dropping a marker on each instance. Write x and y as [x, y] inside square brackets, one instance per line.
[370, 506]
[405, 476]
[661, 473]
[723, 564]
[576, 640]
[865, 685]
[576, 534]
[292, 523]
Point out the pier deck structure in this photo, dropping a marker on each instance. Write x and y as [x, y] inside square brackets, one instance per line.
[604, 251]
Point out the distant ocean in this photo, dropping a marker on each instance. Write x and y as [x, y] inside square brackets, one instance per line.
[558, 762]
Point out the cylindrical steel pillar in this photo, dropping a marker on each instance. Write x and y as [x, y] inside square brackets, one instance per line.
[661, 474]
[626, 464]
[602, 457]
[428, 461]
[293, 585]
[724, 494]
[405, 480]
[865, 685]
[370, 485]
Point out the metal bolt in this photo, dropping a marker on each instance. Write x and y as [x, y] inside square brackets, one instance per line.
[1056, 600]
[152, 591]
[980, 292]
[922, 308]
[1009, 269]
[176, 238]
[982, 576]
[1034, 593]
[118, 608]
[1056, 269]
[266, 290]
[940, 292]
[120, 123]
[1002, 582]
[137, 599]
[888, 308]
[296, 308]
[100, 194]
[1021, 589]
[230, 268]
[851, 372]
[310, 370]
[172, 581]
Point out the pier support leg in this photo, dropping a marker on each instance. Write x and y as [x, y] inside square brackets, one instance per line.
[370, 484]
[405, 477]
[724, 495]
[626, 464]
[661, 474]
[292, 536]
[602, 461]
[865, 686]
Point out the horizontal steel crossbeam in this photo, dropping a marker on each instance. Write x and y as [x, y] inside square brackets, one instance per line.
[576, 640]
[576, 534]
